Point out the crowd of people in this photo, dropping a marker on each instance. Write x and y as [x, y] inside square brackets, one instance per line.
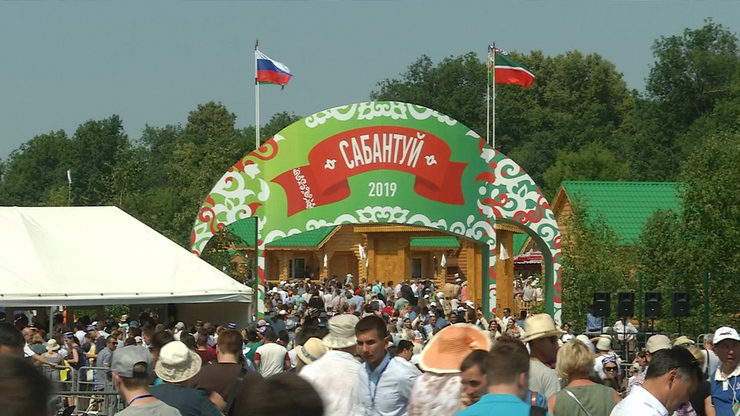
[377, 349]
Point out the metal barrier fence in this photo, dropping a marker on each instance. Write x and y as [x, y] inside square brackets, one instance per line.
[90, 389]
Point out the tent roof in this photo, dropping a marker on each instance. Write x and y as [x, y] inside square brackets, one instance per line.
[100, 256]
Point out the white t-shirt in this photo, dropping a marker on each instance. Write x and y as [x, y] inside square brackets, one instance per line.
[272, 359]
[334, 376]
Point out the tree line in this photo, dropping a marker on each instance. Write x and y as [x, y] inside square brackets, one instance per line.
[578, 121]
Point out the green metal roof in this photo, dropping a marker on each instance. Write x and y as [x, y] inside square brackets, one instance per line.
[427, 242]
[244, 231]
[305, 239]
[625, 206]
[519, 240]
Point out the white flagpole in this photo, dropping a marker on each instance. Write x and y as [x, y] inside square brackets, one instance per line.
[488, 95]
[256, 100]
[69, 187]
[493, 104]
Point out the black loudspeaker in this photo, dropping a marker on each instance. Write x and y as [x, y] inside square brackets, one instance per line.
[602, 304]
[653, 307]
[680, 305]
[626, 305]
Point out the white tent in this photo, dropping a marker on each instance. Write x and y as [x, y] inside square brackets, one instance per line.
[85, 256]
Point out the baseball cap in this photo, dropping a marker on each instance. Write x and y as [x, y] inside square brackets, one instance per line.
[126, 358]
[724, 333]
[657, 343]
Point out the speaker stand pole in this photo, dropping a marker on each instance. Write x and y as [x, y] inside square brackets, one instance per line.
[679, 326]
[626, 349]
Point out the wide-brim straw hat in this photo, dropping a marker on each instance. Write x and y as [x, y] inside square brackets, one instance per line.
[52, 345]
[540, 325]
[341, 331]
[177, 363]
[311, 350]
[445, 352]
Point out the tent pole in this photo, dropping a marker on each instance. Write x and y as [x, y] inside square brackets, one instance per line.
[51, 322]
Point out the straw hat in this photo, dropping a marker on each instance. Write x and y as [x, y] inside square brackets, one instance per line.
[341, 331]
[311, 351]
[604, 344]
[683, 340]
[52, 345]
[540, 325]
[658, 342]
[444, 353]
[177, 363]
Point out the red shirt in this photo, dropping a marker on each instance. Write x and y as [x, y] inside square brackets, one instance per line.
[208, 355]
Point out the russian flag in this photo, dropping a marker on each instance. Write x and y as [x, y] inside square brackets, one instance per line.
[269, 70]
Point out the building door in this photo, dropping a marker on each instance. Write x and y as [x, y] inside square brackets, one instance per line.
[297, 268]
[416, 271]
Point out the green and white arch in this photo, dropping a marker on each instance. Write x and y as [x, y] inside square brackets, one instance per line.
[382, 162]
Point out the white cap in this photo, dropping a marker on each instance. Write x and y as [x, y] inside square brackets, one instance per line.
[440, 294]
[724, 333]
[470, 303]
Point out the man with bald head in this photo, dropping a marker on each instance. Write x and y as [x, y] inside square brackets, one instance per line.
[15, 342]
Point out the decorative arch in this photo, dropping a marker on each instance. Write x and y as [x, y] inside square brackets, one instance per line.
[382, 162]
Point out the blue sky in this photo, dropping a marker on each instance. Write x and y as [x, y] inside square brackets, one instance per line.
[152, 62]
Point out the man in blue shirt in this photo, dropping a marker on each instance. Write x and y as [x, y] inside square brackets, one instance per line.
[507, 372]
[383, 384]
[593, 322]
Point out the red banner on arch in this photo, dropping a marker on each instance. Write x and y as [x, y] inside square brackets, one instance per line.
[343, 155]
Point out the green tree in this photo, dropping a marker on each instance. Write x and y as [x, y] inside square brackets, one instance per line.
[456, 86]
[94, 149]
[208, 146]
[277, 122]
[127, 176]
[692, 72]
[691, 90]
[33, 170]
[591, 162]
[575, 100]
[677, 250]
[593, 261]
